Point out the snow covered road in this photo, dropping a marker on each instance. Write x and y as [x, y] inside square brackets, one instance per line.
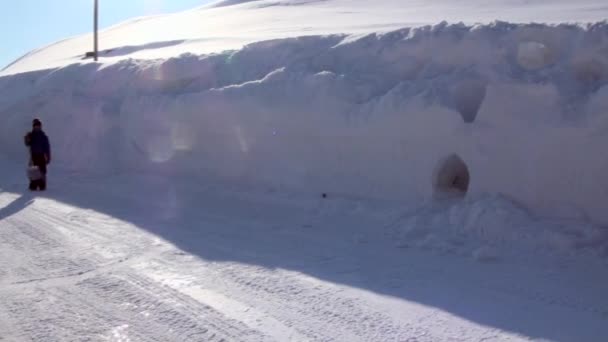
[154, 261]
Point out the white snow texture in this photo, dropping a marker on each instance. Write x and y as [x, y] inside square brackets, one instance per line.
[379, 111]
[314, 170]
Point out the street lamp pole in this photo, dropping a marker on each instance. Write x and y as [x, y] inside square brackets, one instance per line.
[96, 21]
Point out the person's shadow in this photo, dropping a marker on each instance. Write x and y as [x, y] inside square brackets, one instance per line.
[16, 206]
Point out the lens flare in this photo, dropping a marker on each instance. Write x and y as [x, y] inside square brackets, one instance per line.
[160, 149]
[240, 137]
[182, 137]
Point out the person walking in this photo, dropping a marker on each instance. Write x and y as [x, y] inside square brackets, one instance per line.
[40, 154]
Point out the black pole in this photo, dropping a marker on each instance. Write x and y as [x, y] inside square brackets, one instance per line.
[96, 14]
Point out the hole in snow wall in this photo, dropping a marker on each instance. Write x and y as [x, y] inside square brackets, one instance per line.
[451, 177]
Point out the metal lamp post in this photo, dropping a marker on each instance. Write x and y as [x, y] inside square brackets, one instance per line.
[96, 37]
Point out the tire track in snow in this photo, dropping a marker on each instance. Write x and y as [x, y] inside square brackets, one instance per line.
[71, 278]
[53, 247]
[313, 309]
[162, 306]
[80, 284]
[118, 307]
[232, 308]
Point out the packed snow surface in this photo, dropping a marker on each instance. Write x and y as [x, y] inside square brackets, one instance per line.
[314, 171]
[159, 259]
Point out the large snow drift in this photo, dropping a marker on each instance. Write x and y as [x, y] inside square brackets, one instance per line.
[231, 24]
[521, 108]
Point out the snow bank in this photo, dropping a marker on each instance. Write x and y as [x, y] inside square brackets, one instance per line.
[522, 108]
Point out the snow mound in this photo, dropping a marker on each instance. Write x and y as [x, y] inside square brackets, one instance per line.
[499, 226]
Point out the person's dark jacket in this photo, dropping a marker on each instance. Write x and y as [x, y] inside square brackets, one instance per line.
[39, 144]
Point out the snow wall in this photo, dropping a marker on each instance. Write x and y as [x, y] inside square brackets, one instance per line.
[520, 110]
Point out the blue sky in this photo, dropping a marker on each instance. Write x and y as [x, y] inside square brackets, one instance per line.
[29, 24]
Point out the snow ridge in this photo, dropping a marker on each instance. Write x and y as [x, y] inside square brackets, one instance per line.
[224, 3]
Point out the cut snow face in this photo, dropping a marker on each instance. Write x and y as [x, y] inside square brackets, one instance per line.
[316, 98]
